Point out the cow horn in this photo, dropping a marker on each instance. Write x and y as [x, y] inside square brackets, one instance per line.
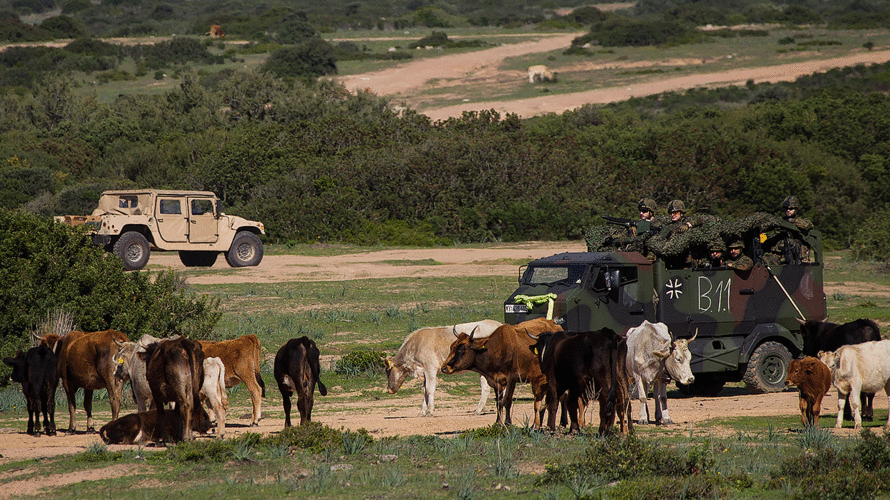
[530, 335]
[473, 332]
[802, 322]
[693, 337]
[454, 331]
[118, 342]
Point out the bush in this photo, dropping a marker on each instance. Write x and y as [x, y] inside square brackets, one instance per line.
[872, 240]
[360, 362]
[307, 60]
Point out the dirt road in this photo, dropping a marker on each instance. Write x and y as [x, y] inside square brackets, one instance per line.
[471, 68]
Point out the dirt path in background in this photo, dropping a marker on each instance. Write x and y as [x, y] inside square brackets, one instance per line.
[481, 68]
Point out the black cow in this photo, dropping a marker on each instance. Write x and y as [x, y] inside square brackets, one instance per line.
[585, 366]
[138, 428]
[297, 369]
[827, 336]
[36, 370]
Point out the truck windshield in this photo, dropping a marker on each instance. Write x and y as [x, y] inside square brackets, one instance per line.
[557, 274]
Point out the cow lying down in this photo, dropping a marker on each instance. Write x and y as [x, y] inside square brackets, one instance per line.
[138, 428]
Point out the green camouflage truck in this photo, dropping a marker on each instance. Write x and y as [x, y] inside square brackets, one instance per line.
[746, 321]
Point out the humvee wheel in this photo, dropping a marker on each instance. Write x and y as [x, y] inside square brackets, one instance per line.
[246, 250]
[197, 258]
[767, 368]
[133, 249]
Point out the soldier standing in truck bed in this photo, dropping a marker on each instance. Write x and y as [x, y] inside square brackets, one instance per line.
[679, 221]
[784, 247]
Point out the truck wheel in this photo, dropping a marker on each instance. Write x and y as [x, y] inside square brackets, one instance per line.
[246, 250]
[767, 368]
[198, 258]
[133, 249]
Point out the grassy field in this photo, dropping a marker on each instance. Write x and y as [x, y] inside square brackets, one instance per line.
[731, 457]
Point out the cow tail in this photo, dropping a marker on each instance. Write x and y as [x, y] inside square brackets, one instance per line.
[259, 377]
[259, 380]
[315, 367]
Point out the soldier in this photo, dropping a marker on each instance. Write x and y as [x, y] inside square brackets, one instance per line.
[791, 206]
[736, 259]
[679, 221]
[783, 247]
[647, 208]
[714, 257]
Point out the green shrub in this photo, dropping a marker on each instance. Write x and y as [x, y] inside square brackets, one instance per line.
[872, 240]
[360, 362]
[313, 436]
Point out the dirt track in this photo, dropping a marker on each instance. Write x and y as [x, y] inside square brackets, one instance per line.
[469, 69]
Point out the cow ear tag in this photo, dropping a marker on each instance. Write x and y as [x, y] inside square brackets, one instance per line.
[120, 360]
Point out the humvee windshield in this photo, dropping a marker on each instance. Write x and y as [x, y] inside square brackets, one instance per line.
[549, 275]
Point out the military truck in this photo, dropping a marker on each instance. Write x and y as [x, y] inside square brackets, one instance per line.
[131, 223]
[746, 322]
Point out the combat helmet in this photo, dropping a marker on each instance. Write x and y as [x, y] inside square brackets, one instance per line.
[736, 243]
[647, 204]
[716, 246]
[676, 206]
[791, 202]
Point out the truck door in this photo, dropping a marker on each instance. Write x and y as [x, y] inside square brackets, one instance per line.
[202, 227]
[171, 217]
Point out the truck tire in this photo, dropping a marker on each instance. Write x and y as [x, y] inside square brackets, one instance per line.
[133, 249]
[246, 250]
[198, 258]
[767, 368]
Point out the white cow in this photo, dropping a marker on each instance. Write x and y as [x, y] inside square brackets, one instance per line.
[131, 367]
[213, 392]
[424, 351]
[855, 369]
[540, 73]
[650, 351]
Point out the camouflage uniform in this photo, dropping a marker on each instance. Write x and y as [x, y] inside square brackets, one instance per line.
[742, 262]
[782, 245]
[682, 224]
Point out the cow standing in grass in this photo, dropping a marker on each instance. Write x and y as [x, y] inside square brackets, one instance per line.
[424, 351]
[297, 369]
[36, 371]
[651, 352]
[813, 378]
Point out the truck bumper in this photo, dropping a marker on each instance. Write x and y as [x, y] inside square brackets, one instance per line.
[101, 240]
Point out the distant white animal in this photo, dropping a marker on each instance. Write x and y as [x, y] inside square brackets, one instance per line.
[540, 73]
[213, 392]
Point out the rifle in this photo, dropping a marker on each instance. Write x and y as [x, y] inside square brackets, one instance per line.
[640, 226]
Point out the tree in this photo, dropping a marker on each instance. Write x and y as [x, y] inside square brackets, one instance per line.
[308, 60]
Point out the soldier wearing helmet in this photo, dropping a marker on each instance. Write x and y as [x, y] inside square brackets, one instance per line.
[679, 221]
[647, 208]
[737, 259]
[714, 256]
[784, 246]
[791, 208]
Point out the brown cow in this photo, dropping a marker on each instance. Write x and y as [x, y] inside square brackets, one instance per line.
[241, 357]
[137, 428]
[85, 360]
[504, 358]
[175, 373]
[813, 378]
[216, 31]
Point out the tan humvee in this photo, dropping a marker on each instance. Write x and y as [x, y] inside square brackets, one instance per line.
[131, 223]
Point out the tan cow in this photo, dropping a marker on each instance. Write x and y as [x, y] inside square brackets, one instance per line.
[216, 31]
[241, 358]
[540, 73]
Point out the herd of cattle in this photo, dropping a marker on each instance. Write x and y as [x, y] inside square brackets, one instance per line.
[571, 368]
